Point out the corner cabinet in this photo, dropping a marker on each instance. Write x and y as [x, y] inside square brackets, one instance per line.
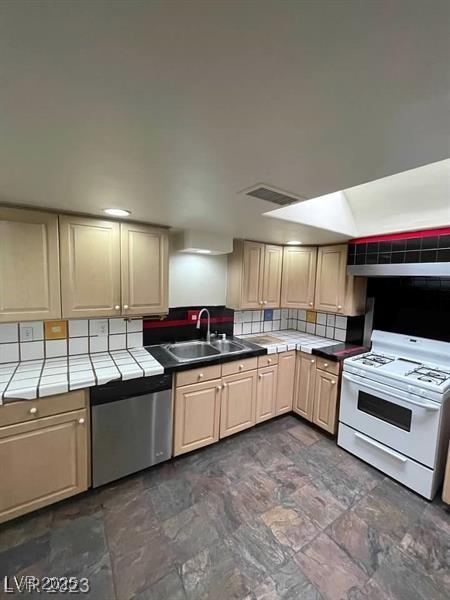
[266, 393]
[112, 269]
[254, 275]
[29, 265]
[299, 277]
[285, 382]
[336, 291]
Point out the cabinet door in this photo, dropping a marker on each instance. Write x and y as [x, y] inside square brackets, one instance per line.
[42, 461]
[285, 382]
[331, 278]
[90, 267]
[325, 401]
[145, 263]
[266, 393]
[299, 277]
[252, 275]
[197, 415]
[29, 265]
[273, 261]
[304, 386]
[238, 406]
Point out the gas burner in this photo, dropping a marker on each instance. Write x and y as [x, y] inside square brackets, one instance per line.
[436, 376]
[374, 360]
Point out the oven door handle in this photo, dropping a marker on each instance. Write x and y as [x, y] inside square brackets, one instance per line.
[425, 405]
[378, 446]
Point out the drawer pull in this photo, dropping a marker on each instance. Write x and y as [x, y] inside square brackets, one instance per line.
[378, 446]
[33, 410]
[81, 421]
[241, 367]
[218, 388]
[224, 384]
[117, 307]
[333, 382]
[312, 361]
[200, 375]
[269, 360]
[311, 303]
[125, 306]
[265, 302]
[339, 307]
[260, 375]
[325, 365]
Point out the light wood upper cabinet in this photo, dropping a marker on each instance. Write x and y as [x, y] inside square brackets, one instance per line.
[336, 291]
[43, 461]
[266, 393]
[197, 415]
[325, 400]
[285, 382]
[299, 277]
[29, 265]
[144, 269]
[90, 267]
[254, 275]
[304, 386]
[238, 406]
[273, 261]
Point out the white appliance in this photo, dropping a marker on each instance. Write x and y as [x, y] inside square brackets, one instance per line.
[394, 411]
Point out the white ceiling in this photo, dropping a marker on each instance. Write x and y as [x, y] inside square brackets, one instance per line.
[170, 108]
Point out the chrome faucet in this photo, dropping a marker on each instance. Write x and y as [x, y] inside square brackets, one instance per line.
[208, 331]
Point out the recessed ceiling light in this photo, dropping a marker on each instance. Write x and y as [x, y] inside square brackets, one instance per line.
[117, 212]
[201, 251]
[293, 243]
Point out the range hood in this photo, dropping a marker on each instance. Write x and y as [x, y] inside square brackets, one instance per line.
[410, 254]
[401, 270]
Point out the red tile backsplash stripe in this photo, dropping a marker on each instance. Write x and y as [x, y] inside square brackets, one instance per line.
[405, 235]
[183, 322]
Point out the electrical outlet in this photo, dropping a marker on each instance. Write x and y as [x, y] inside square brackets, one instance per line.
[26, 334]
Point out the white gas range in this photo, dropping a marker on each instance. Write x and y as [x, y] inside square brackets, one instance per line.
[395, 408]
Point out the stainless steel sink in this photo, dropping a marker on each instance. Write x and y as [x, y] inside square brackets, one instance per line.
[226, 346]
[196, 350]
[187, 351]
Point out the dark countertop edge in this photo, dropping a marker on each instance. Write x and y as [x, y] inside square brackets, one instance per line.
[172, 366]
[348, 350]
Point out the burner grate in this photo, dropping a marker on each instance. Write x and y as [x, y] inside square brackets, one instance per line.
[374, 360]
[436, 376]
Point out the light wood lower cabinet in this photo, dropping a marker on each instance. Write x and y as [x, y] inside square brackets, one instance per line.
[304, 386]
[197, 415]
[238, 403]
[285, 382]
[325, 401]
[266, 393]
[43, 461]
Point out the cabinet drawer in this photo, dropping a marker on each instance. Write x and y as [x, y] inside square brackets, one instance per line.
[267, 360]
[239, 366]
[330, 366]
[29, 410]
[198, 375]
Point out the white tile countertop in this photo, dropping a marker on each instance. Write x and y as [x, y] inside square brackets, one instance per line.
[32, 379]
[288, 339]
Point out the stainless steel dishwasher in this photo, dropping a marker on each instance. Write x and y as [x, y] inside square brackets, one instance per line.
[131, 424]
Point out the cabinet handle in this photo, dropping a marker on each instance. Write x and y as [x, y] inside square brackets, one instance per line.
[33, 410]
[241, 367]
[311, 303]
[260, 302]
[333, 382]
[269, 360]
[81, 421]
[264, 301]
[260, 375]
[313, 361]
[339, 307]
[117, 307]
[125, 306]
[200, 375]
[218, 388]
[325, 365]
[224, 384]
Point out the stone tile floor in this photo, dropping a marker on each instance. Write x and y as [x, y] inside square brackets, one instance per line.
[276, 512]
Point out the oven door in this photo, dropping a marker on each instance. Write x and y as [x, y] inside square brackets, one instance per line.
[404, 422]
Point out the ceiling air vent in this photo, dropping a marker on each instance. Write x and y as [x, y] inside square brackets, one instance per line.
[269, 194]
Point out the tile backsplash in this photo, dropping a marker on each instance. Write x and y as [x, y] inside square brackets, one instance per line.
[308, 321]
[26, 340]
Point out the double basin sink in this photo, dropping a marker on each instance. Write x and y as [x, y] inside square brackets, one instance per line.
[196, 350]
